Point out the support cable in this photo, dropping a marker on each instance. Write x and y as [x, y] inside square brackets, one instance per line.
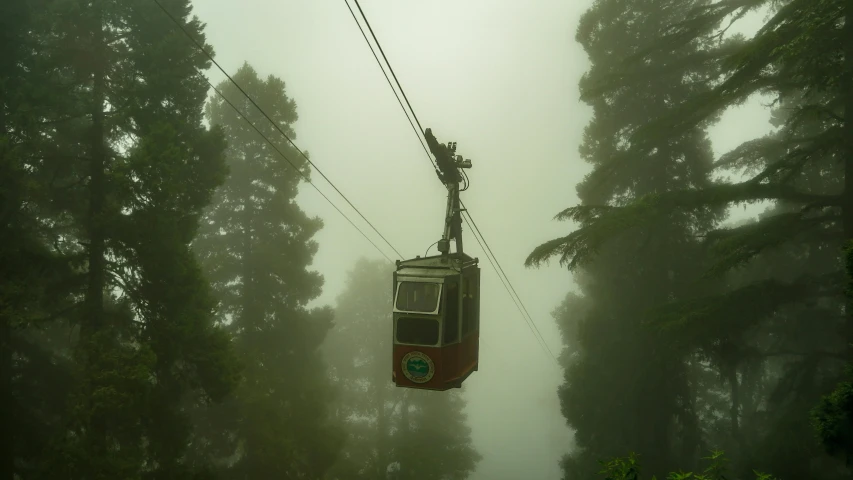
[505, 275]
[274, 124]
[419, 132]
[390, 68]
[529, 322]
[363, 34]
[302, 174]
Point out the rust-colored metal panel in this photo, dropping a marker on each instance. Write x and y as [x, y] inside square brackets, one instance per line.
[450, 362]
[468, 360]
[443, 367]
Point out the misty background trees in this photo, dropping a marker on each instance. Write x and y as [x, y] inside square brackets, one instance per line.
[156, 267]
[256, 246]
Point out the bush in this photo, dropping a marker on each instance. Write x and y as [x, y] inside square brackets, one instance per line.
[628, 468]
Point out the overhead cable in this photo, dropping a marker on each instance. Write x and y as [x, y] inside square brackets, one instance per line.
[363, 34]
[420, 132]
[487, 247]
[275, 125]
[529, 322]
[302, 174]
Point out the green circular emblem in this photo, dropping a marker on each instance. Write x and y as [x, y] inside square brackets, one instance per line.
[418, 367]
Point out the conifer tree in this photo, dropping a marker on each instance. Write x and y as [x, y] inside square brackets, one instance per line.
[776, 329]
[257, 248]
[625, 388]
[116, 166]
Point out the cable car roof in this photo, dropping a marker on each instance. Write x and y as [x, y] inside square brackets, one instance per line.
[436, 265]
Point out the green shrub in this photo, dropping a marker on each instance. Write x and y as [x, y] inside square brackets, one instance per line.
[628, 468]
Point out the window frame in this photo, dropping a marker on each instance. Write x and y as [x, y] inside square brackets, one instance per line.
[470, 303]
[438, 302]
[456, 281]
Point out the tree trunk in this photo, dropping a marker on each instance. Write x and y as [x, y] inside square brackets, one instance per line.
[381, 432]
[96, 280]
[847, 153]
[657, 424]
[402, 473]
[7, 402]
[97, 187]
[691, 437]
[252, 315]
[734, 410]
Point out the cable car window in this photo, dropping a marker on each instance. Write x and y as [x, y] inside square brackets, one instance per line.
[451, 313]
[418, 297]
[475, 302]
[417, 331]
[467, 310]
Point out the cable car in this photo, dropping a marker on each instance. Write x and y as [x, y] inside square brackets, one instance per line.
[436, 310]
[436, 321]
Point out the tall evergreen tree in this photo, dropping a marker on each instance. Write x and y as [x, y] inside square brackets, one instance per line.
[433, 438]
[13, 18]
[776, 330]
[653, 412]
[392, 432]
[358, 349]
[257, 246]
[37, 276]
[117, 166]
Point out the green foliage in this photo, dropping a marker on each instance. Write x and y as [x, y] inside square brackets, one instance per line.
[628, 468]
[602, 223]
[621, 468]
[105, 313]
[760, 328]
[631, 251]
[832, 418]
[833, 423]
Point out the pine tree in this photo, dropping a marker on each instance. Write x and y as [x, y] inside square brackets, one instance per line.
[776, 329]
[358, 349]
[433, 438]
[12, 18]
[37, 278]
[257, 246]
[625, 388]
[115, 151]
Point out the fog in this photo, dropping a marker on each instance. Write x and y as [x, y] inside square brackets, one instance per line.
[499, 78]
[176, 302]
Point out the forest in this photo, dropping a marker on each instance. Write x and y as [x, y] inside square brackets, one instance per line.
[158, 314]
[728, 336]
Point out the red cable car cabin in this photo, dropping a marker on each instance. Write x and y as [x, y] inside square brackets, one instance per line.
[436, 321]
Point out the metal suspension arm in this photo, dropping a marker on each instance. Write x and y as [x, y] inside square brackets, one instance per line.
[453, 221]
[449, 166]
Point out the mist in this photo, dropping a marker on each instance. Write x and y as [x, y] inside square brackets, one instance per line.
[178, 301]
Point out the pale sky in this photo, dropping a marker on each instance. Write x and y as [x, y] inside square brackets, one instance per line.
[500, 78]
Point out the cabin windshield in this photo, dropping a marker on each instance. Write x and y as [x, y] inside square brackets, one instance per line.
[418, 297]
